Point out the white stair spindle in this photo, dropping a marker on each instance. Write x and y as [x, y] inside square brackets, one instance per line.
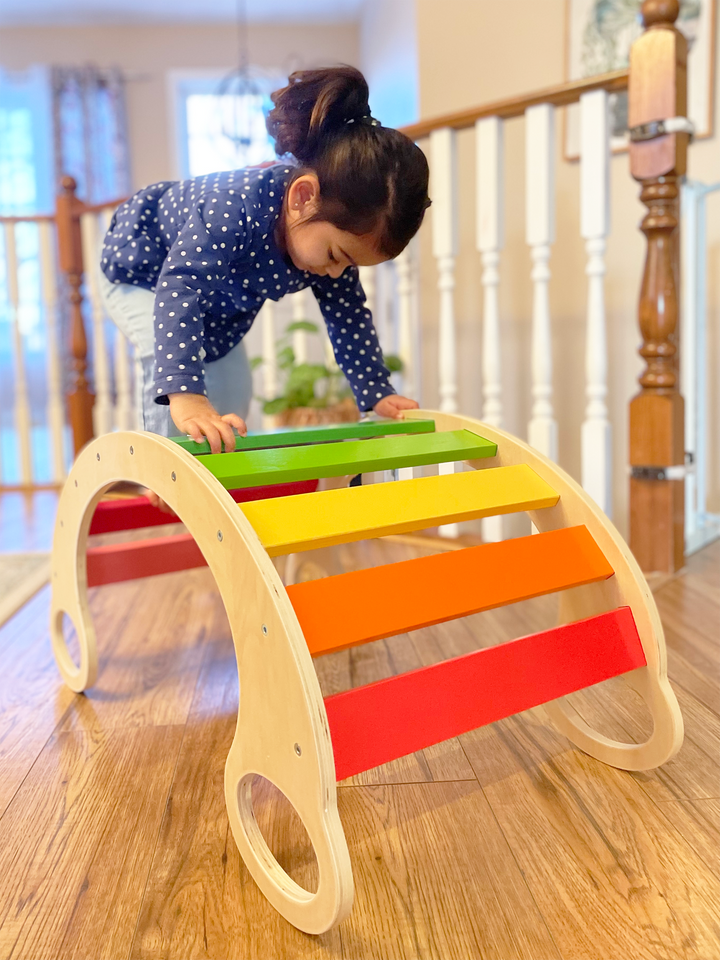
[299, 339]
[367, 280]
[103, 413]
[489, 228]
[125, 413]
[443, 168]
[23, 423]
[540, 234]
[269, 367]
[595, 226]
[406, 334]
[55, 410]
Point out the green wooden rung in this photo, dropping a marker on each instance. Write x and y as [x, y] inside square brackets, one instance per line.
[256, 468]
[296, 436]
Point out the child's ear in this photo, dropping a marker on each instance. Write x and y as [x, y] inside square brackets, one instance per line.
[304, 194]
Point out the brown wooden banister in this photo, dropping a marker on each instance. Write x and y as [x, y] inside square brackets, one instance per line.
[658, 91]
[80, 398]
[560, 96]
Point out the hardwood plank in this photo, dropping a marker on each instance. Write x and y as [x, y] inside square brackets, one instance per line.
[435, 878]
[200, 900]
[330, 517]
[612, 878]
[26, 520]
[33, 699]
[150, 651]
[698, 821]
[327, 433]
[419, 593]
[254, 468]
[693, 773]
[77, 841]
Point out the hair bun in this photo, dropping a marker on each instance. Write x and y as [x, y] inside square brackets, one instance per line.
[315, 104]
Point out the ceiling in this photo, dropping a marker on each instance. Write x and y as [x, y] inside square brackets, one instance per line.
[78, 12]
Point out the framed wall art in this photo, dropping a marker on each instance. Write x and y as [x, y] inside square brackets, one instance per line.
[599, 36]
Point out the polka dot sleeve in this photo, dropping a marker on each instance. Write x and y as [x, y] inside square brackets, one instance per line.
[353, 337]
[196, 265]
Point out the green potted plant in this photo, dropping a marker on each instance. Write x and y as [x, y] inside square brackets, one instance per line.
[312, 393]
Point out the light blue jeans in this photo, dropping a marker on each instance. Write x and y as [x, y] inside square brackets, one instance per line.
[228, 381]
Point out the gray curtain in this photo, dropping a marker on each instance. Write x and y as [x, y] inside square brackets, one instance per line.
[90, 131]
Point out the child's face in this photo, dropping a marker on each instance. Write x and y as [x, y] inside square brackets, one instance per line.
[317, 246]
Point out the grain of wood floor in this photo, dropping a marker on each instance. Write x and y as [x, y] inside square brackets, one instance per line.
[506, 844]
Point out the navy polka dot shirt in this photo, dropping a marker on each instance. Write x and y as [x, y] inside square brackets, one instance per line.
[206, 247]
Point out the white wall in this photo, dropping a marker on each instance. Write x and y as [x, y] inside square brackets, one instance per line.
[389, 59]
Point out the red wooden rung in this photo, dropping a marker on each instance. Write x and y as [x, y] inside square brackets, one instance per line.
[389, 719]
[134, 512]
[116, 562]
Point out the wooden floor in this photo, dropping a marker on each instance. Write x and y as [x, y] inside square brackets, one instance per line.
[506, 843]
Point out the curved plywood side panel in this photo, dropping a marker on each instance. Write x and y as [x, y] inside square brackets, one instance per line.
[282, 732]
[627, 588]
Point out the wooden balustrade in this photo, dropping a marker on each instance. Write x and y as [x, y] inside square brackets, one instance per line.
[657, 90]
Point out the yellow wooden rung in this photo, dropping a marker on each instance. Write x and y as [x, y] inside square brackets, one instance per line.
[312, 520]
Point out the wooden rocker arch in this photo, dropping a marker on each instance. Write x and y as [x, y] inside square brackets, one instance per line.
[278, 735]
[286, 732]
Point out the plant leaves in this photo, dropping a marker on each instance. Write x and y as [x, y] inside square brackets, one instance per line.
[306, 325]
[275, 406]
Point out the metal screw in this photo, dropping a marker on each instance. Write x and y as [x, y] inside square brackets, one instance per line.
[98, 456]
[173, 477]
[264, 630]
[131, 451]
[220, 535]
[298, 750]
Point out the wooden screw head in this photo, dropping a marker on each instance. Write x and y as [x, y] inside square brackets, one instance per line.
[660, 11]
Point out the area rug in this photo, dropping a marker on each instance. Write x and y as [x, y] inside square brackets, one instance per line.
[21, 576]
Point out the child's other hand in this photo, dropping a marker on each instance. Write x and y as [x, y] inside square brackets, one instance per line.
[194, 415]
[158, 502]
[393, 405]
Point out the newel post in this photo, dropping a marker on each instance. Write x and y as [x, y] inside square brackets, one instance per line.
[80, 399]
[657, 92]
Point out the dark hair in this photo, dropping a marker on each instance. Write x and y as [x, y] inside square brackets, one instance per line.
[372, 179]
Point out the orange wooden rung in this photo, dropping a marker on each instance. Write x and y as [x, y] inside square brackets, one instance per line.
[352, 608]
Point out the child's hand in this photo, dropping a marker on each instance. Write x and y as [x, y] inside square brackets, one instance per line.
[393, 405]
[194, 415]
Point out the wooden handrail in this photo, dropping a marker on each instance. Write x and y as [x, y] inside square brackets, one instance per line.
[559, 96]
[105, 205]
[30, 218]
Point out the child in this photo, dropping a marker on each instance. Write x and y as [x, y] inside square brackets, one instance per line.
[187, 265]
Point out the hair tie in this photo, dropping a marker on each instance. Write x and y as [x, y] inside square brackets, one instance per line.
[367, 120]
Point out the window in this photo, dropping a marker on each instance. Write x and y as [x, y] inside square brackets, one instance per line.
[203, 114]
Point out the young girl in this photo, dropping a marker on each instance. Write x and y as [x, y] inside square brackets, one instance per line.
[187, 265]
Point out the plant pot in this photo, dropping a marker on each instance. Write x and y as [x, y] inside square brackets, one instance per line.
[343, 412]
